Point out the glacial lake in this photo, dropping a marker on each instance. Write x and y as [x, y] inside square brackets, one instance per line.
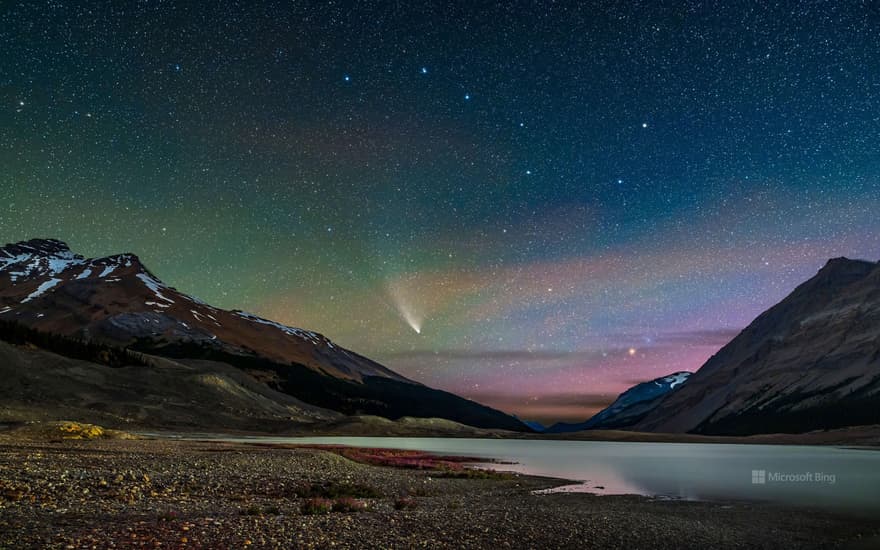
[833, 478]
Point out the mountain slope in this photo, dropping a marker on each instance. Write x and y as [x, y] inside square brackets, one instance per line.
[629, 407]
[116, 299]
[810, 362]
[39, 385]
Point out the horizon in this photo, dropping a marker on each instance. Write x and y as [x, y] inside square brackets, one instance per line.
[534, 210]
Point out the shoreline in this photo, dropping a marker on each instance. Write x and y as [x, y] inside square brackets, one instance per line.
[210, 494]
[869, 441]
[862, 437]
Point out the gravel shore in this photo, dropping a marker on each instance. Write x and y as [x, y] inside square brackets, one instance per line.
[178, 494]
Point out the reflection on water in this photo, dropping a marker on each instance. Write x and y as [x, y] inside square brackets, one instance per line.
[824, 477]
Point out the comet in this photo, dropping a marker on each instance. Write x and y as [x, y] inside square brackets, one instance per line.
[405, 305]
[410, 317]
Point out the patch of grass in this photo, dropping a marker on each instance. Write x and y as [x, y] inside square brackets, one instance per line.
[316, 506]
[334, 490]
[169, 515]
[257, 511]
[473, 473]
[420, 491]
[11, 492]
[348, 504]
[405, 503]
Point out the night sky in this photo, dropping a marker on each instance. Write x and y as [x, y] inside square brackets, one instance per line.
[533, 205]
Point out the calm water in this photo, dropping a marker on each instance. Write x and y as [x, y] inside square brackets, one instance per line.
[826, 477]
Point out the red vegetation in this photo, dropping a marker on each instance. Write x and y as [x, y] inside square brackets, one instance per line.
[397, 458]
[348, 504]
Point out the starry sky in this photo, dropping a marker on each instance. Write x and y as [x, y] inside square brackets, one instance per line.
[534, 205]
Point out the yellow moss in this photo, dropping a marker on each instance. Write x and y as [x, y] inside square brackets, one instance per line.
[76, 430]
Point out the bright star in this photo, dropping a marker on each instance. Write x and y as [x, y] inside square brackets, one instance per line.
[424, 70]
[632, 351]
[346, 78]
[467, 97]
[644, 125]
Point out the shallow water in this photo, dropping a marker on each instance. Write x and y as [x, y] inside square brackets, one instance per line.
[833, 478]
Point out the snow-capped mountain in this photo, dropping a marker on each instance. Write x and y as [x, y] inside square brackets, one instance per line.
[116, 299]
[629, 407]
[45, 285]
[810, 362]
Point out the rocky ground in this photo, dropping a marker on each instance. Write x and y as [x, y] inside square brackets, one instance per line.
[103, 493]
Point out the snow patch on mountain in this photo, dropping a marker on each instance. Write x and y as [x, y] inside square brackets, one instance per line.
[673, 379]
[154, 285]
[290, 331]
[41, 289]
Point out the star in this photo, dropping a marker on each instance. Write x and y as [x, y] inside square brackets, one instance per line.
[644, 125]
[346, 78]
[467, 97]
[423, 70]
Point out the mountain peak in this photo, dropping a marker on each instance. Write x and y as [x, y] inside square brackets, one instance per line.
[843, 263]
[838, 273]
[39, 247]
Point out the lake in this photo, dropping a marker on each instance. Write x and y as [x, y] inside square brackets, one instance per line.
[842, 479]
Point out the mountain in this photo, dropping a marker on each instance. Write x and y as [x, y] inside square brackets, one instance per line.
[116, 300]
[535, 426]
[810, 362]
[38, 385]
[629, 407]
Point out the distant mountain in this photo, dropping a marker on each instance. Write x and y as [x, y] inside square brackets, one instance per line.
[629, 407]
[810, 362]
[117, 300]
[536, 426]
